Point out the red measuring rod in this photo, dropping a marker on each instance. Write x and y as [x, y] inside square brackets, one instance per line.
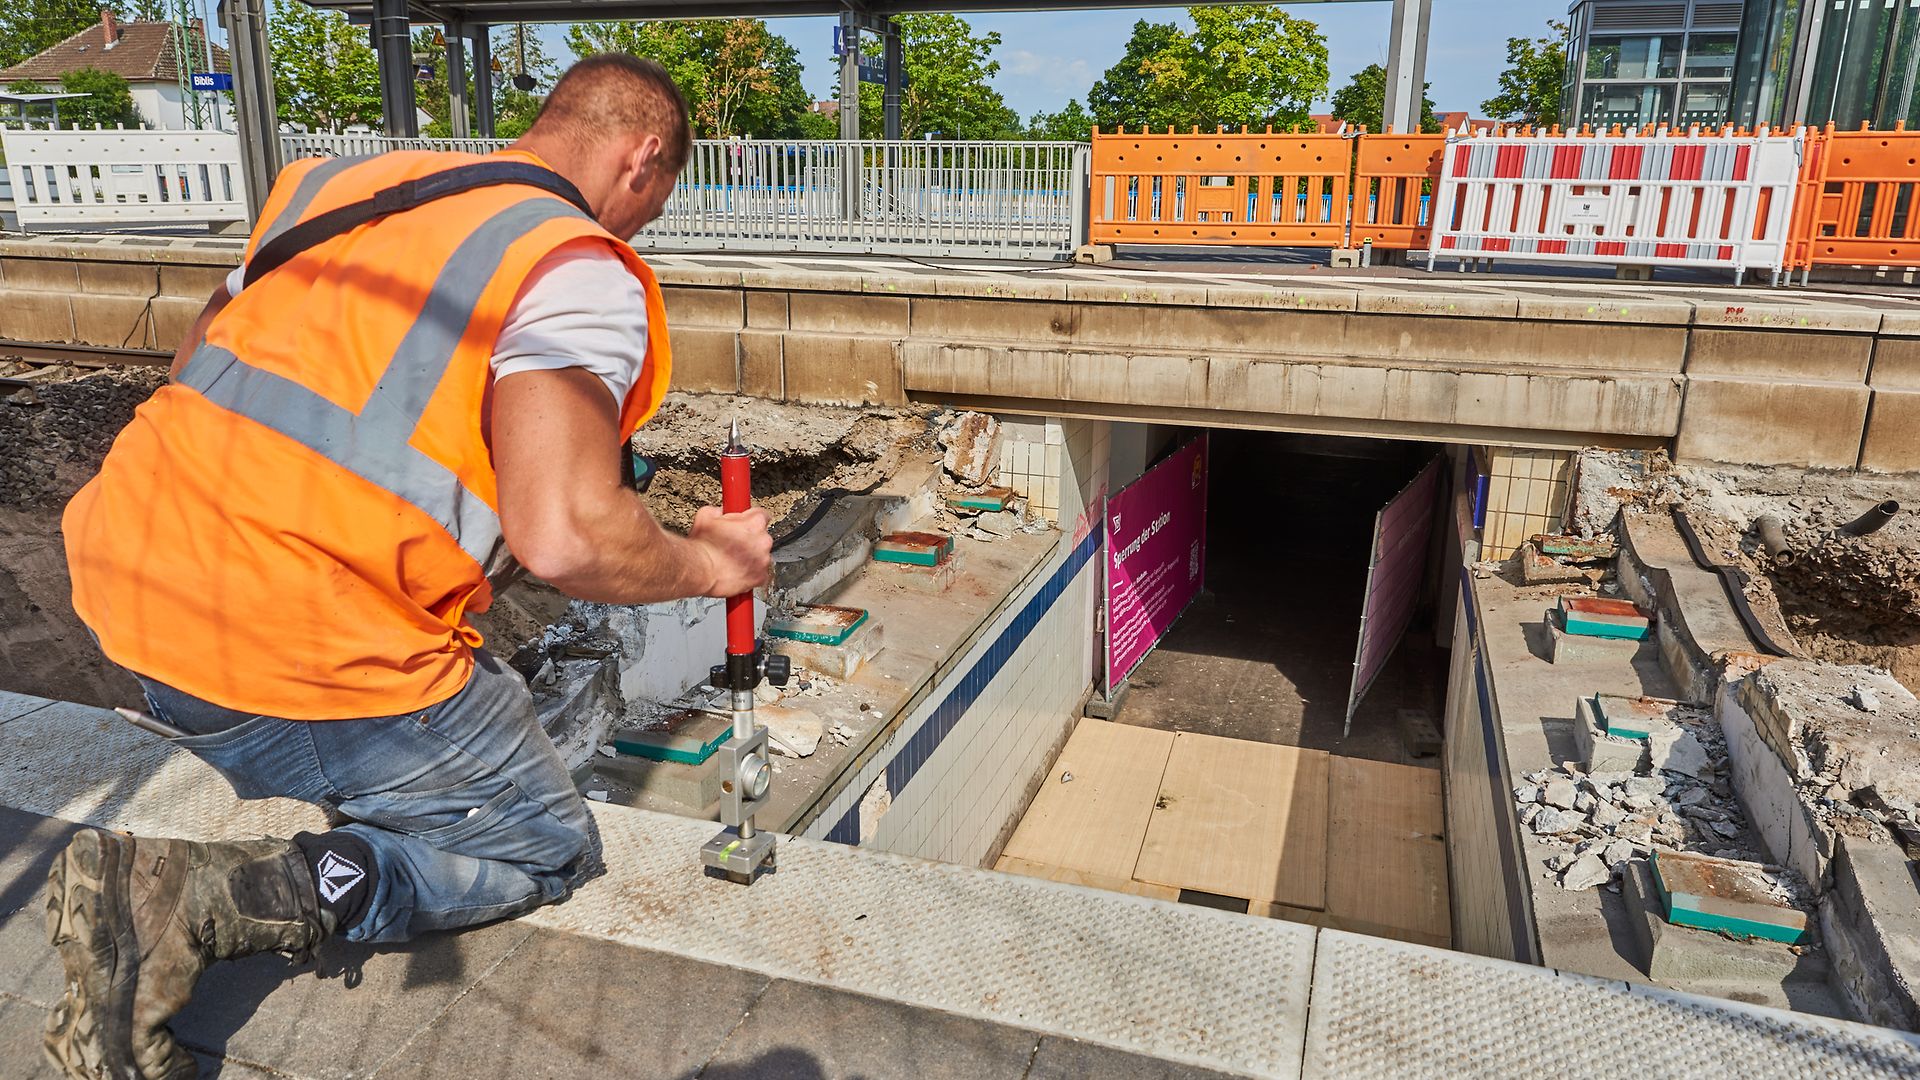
[736, 495]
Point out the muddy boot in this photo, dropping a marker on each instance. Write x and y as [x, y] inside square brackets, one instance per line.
[137, 920]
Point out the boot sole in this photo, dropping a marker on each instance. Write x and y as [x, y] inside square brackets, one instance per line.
[89, 1034]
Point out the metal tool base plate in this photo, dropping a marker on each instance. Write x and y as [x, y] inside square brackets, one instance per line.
[738, 860]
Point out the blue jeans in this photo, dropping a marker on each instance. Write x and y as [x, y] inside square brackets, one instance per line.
[468, 808]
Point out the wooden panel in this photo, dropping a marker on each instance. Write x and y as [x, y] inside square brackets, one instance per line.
[1388, 874]
[1240, 819]
[1095, 823]
[1010, 865]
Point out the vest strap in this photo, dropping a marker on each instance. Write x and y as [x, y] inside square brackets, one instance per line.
[403, 197]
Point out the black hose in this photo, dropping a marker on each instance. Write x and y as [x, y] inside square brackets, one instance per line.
[1872, 520]
[1773, 540]
[827, 499]
[1734, 581]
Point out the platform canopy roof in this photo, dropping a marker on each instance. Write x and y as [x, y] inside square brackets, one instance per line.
[499, 12]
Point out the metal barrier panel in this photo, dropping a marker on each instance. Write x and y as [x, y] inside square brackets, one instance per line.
[1662, 199]
[988, 199]
[1857, 195]
[121, 177]
[1268, 189]
[1395, 177]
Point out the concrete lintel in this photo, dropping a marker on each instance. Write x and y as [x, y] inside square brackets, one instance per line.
[1491, 306]
[1303, 299]
[1843, 318]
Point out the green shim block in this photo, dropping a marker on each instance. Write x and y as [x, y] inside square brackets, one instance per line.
[913, 548]
[690, 739]
[1715, 894]
[818, 624]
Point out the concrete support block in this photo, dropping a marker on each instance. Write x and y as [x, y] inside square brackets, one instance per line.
[1892, 442]
[1780, 354]
[119, 279]
[42, 275]
[193, 282]
[1677, 955]
[665, 649]
[705, 361]
[119, 322]
[959, 320]
[828, 370]
[36, 316]
[763, 365]
[766, 310]
[1766, 791]
[1601, 752]
[1871, 921]
[1747, 422]
[173, 316]
[837, 661]
[691, 790]
[843, 313]
[720, 309]
[1574, 649]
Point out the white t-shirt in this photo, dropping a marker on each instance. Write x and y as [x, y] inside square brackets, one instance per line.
[580, 307]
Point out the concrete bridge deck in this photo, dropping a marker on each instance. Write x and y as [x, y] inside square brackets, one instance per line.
[852, 962]
[1826, 379]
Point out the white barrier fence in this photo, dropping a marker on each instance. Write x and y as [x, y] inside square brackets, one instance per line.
[988, 199]
[1716, 200]
[123, 177]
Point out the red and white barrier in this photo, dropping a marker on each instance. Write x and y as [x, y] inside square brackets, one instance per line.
[1718, 200]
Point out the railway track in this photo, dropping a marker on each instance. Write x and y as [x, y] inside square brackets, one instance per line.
[93, 356]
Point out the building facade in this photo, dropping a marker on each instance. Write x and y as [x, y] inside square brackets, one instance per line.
[1773, 62]
[147, 55]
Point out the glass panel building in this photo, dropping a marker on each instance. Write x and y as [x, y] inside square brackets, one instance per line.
[1773, 62]
[1637, 62]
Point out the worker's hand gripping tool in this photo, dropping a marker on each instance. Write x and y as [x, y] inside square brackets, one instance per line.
[741, 852]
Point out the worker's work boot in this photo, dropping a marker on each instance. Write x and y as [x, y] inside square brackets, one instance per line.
[137, 920]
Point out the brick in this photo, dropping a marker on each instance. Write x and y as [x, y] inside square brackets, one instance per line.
[1745, 422]
[119, 279]
[841, 313]
[763, 365]
[766, 310]
[825, 370]
[173, 316]
[194, 282]
[705, 361]
[1892, 440]
[718, 308]
[36, 316]
[46, 275]
[1762, 354]
[119, 322]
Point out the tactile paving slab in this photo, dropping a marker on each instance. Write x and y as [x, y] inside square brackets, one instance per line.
[1385, 1008]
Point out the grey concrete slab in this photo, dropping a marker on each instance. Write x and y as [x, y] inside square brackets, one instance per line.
[1071, 1059]
[13, 706]
[29, 968]
[370, 1005]
[21, 1023]
[804, 1031]
[570, 1006]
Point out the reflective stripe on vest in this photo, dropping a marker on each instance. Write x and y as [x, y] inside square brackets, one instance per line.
[373, 443]
[304, 192]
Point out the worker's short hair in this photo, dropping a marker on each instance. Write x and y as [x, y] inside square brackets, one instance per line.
[616, 91]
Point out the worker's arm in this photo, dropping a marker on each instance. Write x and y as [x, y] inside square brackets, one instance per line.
[571, 522]
[198, 331]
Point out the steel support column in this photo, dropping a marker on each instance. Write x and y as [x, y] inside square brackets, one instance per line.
[482, 80]
[849, 75]
[255, 112]
[1407, 64]
[896, 56]
[457, 116]
[393, 44]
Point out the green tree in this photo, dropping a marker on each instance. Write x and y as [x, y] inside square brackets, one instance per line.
[1363, 101]
[513, 108]
[325, 76]
[149, 10]
[109, 100]
[948, 93]
[1530, 86]
[29, 26]
[1243, 64]
[815, 125]
[1071, 124]
[739, 77]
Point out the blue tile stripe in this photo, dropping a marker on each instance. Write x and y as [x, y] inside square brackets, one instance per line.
[935, 728]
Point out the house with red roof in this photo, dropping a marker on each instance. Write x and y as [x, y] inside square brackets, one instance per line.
[146, 54]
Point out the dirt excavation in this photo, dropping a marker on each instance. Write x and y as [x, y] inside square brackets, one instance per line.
[1849, 599]
[55, 431]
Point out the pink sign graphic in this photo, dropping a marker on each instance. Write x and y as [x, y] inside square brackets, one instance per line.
[1156, 555]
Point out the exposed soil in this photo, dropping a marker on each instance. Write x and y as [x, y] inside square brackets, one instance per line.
[48, 449]
[1845, 599]
[799, 452]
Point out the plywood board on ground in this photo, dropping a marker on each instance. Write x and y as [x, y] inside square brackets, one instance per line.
[1010, 865]
[1240, 819]
[1095, 822]
[1388, 873]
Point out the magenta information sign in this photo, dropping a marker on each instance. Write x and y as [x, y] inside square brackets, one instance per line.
[1156, 555]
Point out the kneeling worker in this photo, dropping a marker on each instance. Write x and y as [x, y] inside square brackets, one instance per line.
[426, 370]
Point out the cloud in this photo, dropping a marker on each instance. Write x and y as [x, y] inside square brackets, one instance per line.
[1057, 75]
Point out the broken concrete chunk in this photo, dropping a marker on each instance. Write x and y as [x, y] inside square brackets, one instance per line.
[1584, 802]
[1645, 785]
[1616, 852]
[1863, 699]
[971, 442]
[795, 732]
[1681, 753]
[1559, 793]
[999, 523]
[1528, 794]
[1606, 815]
[1551, 822]
[1586, 872]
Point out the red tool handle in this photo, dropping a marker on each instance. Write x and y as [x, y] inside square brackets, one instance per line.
[736, 495]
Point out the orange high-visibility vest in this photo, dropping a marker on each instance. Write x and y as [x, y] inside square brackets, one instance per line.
[301, 523]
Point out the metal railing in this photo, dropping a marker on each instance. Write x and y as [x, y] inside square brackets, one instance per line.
[1016, 200]
[123, 177]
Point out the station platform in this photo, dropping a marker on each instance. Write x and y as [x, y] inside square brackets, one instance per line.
[847, 962]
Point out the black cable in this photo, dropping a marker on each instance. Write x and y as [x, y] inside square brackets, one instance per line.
[1733, 580]
[827, 499]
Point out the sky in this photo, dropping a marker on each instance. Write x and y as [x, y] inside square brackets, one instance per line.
[1048, 58]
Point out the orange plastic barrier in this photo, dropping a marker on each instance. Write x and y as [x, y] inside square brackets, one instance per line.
[1394, 180]
[1855, 205]
[1277, 190]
